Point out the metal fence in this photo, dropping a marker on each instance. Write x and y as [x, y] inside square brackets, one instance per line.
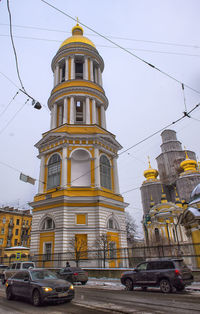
[116, 258]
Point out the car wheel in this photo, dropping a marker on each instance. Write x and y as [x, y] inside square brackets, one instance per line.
[36, 300]
[9, 294]
[83, 282]
[165, 286]
[128, 284]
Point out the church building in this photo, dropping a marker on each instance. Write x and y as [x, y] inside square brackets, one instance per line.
[78, 197]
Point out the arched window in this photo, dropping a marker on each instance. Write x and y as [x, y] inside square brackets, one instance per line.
[112, 224]
[48, 223]
[105, 172]
[80, 168]
[53, 179]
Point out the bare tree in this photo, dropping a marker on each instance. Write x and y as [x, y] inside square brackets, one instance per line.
[79, 249]
[131, 227]
[102, 244]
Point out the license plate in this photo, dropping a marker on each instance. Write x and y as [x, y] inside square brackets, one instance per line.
[64, 294]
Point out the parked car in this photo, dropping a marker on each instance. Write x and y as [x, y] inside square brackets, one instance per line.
[2, 269]
[15, 267]
[39, 286]
[164, 273]
[73, 274]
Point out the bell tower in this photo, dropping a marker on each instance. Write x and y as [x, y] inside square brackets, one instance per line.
[78, 195]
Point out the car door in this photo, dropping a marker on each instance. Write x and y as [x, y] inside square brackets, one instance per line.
[24, 289]
[152, 273]
[140, 274]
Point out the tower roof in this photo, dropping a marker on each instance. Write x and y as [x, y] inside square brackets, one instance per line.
[150, 174]
[188, 165]
[77, 37]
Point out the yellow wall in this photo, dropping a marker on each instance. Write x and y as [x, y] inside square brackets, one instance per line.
[46, 237]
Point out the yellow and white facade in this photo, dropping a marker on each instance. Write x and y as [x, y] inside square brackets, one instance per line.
[78, 194]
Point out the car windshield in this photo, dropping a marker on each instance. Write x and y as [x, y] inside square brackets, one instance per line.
[27, 265]
[43, 274]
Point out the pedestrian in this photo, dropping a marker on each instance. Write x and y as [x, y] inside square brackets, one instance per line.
[67, 264]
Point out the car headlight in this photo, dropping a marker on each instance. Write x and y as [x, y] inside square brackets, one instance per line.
[71, 287]
[47, 289]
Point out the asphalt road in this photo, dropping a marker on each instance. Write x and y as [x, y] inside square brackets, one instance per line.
[91, 299]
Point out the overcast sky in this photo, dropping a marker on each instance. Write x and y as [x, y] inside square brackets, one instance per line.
[141, 99]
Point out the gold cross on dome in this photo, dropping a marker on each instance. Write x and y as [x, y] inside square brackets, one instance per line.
[77, 20]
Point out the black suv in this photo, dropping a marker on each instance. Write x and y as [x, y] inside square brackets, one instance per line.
[164, 273]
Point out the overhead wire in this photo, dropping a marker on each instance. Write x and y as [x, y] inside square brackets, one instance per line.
[13, 45]
[121, 47]
[6, 108]
[109, 36]
[104, 46]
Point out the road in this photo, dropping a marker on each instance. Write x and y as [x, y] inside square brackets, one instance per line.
[94, 299]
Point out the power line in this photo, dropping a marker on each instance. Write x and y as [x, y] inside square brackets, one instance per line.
[1, 114]
[13, 45]
[109, 36]
[2, 130]
[119, 46]
[104, 46]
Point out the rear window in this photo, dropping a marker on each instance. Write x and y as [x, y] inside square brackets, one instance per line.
[27, 265]
[181, 264]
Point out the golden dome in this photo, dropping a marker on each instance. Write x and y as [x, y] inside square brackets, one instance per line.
[188, 165]
[150, 174]
[77, 37]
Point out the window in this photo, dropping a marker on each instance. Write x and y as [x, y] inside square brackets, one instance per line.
[8, 243]
[157, 235]
[47, 250]
[79, 111]
[18, 265]
[15, 243]
[53, 171]
[80, 219]
[78, 69]
[112, 249]
[63, 72]
[2, 230]
[48, 223]
[80, 168]
[16, 231]
[4, 220]
[112, 224]
[105, 172]
[95, 73]
[142, 266]
[17, 223]
[1, 241]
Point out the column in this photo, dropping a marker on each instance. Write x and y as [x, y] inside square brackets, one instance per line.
[85, 69]
[91, 70]
[51, 123]
[41, 177]
[54, 118]
[64, 168]
[65, 112]
[99, 76]
[57, 75]
[72, 111]
[72, 68]
[115, 173]
[87, 111]
[94, 113]
[66, 69]
[97, 168]
[103, 117]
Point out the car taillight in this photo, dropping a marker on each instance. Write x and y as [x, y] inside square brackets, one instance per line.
[75, 274]
[177, 272]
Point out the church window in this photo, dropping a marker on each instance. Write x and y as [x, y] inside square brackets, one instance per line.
[48, 223]
[80, 168]
[53, 171]
[95, 73]
[48, 251]
[79, 111]
[78, 69]
[63, 73]
[112, 224]
[105, 172]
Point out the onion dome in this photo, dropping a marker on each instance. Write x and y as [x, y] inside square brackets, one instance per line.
[77, 37]
[150, 174]
[188, 165]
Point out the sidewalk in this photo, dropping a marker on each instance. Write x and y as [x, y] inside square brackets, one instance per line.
[116, 284]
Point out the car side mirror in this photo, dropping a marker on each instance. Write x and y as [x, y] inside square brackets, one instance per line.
[26, 279]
